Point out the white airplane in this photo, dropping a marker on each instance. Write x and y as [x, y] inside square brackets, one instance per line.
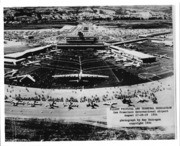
[164, 56]
[15, 102]
[156, 55]
[55, 51]
[129, 64]
[141, 99]
[80, 76]
[109, 103]
[132, 64]
[52, 105]
[137, 64]
[108, 57]
[48, 57]
[121, 59]
[34, 103]
[168, 43]
[102, 52]
[32, 62]
[11, 73]
[22, 77]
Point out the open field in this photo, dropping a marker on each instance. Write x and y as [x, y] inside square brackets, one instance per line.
[138, 24]
[49, 130]
[133, 24]
[36, 26]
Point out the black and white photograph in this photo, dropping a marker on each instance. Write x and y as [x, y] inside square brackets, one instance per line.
[89, 73]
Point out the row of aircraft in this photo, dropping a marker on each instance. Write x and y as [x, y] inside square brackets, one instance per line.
[37, 62]
[123, 60]
[130, 64]
[31, 62]
[12, 75]
[78, 77]
[20, 78]
[70, 105]
[162, 56]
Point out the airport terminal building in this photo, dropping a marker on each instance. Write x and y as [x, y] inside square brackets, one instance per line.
[73, 42]
[80, 44]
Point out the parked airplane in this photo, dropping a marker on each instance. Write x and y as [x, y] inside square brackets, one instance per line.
[138, 64]
[101, 52]
[70, 105]
[108, 57]
[164, 56]
[92, 104]
[141, 99]
[80, 76]
[48, 57]
[121, 59]
[55, 51]
[32, 62]
[109, 103]
[34, 103]
[11, 73]
[22, 77]
[168, 43]
[15, 102]
[130, 64]
[52, 105]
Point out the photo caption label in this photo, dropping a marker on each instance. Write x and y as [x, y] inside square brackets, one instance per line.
[141, 116]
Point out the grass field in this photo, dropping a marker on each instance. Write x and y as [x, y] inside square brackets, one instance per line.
[48, 130]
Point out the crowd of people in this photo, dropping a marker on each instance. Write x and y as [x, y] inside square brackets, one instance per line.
[126, 96]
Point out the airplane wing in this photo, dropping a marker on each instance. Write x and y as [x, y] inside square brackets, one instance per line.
[22, 79]
[140, 98]
[11, 72]
[93, 76]
[66, 76]
[31, 78]
[28, 76]
[128, 64]
[16, 77]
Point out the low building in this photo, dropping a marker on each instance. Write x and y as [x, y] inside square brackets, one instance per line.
[154, 34]
[146, 58]
[27, 53]
[81, 42]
